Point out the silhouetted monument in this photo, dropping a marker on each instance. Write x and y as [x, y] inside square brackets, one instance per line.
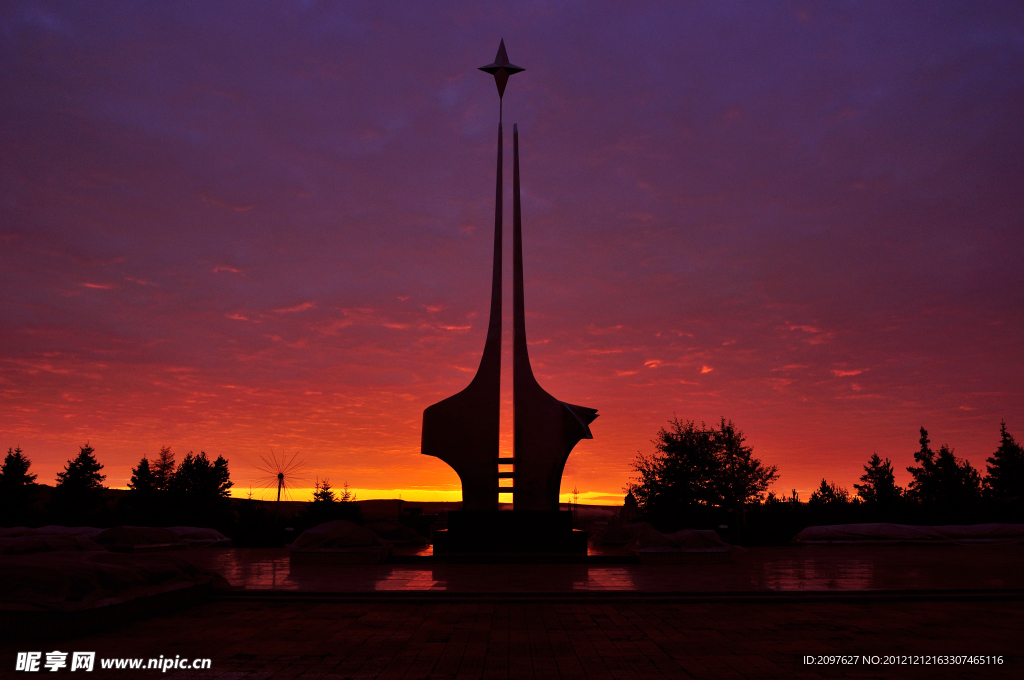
[546, 429]
[462, 430]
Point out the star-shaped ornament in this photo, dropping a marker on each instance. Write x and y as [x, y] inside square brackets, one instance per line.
[501, 69]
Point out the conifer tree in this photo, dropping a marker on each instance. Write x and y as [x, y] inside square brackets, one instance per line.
[163, 468]
[143, 498]
[829, 493]
[222, 478]
[197, 477]
[879, 483]
[329, 505]
[201, 488]
[78, 495]
[943, 482]
[324, 493]
[14, 473]
[17, 487]
[924, 475]
[143, 480]
[1004, 482]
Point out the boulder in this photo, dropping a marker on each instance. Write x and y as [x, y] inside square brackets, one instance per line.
[28, 544]
[696, 538]
[881, 532]
[135, 539]
[396, 533]
[643, 535]
[340, 533]
[86, 577]
[200, 537]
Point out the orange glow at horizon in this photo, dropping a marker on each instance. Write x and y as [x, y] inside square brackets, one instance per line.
[371, 442]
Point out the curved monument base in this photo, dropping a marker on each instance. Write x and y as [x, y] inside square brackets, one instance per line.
[514, 535]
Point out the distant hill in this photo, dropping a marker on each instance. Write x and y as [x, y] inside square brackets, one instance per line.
[377, 509]
[380, 509]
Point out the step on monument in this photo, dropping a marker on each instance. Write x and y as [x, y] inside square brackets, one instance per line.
[462, 430]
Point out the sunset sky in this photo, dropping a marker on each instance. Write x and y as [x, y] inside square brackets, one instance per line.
[245, 227]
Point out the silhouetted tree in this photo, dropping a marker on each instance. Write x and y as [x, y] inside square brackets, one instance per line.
[78, 496]
[202, 488]
[163, 469]
[879, 488]
[829, 493]
[143, 497]
[323, 493]
[741, 478]
[328, 506]
[199, 478]
[143, 481]
[1004, 483]
[925, 475]
[14, 474]
[680, 475]
[695, 469]
[17, 487]
[948, 486]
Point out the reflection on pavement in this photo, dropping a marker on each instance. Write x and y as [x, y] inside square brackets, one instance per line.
[806, 574]
[783, 568]
[409, 579]
[606, 578]
[262, 569]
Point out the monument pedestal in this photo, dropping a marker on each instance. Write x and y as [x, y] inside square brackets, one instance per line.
[516, 535]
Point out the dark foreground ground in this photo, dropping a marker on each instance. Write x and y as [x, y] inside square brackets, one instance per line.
[757, 617]
[581, 639]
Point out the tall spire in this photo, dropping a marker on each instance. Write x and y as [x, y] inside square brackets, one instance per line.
[545, 429]
[463, 430]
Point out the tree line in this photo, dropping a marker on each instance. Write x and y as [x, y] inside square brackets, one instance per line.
[707, 477]
[941, 482]
[161, 492]
[164, 492]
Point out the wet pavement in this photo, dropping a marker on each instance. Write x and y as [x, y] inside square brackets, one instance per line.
[767, 569]
[566, 641]
[779, 612]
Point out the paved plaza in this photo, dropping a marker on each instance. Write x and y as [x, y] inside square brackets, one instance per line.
[757, 617]
[585, 639]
